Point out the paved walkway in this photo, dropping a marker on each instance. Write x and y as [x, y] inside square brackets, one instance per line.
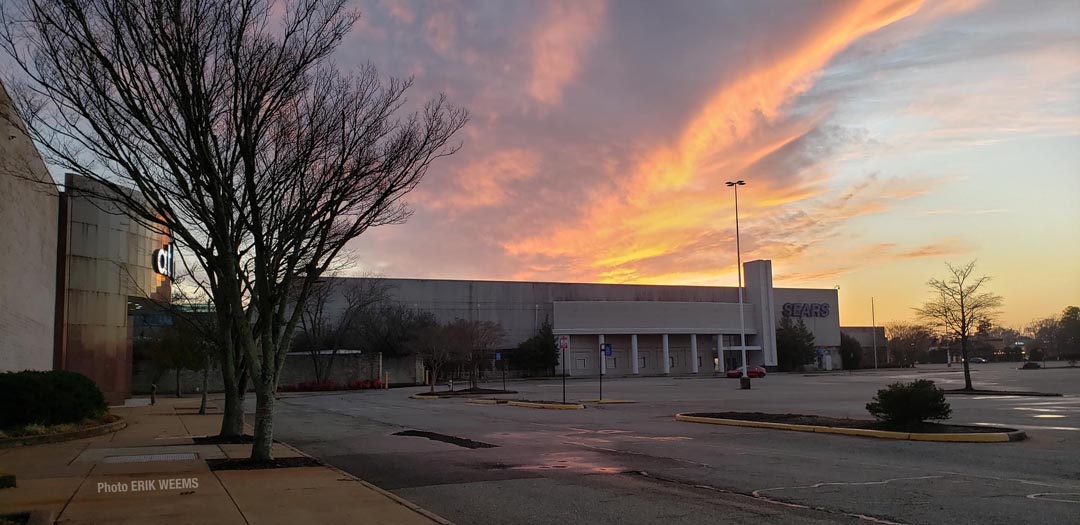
[73, 482]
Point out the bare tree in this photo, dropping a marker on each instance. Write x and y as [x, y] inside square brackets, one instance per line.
[224, 123]
[958, 305]
[908, 341]
[472, 342]
[434, 348]
[325, 328]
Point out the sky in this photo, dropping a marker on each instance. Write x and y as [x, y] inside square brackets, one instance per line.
[878, 140]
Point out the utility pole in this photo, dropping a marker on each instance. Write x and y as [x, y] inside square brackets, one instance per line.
[873, 329]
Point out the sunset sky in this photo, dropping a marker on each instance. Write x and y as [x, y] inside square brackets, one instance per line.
[878, 140]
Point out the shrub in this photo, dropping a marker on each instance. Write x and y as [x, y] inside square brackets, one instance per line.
[906, 404]
[48, 398]
[1072, 358]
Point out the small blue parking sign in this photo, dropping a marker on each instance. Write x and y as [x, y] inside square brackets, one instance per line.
[498, 356]
[607, 349]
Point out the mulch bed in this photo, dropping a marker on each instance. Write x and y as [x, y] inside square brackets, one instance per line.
[219, 440]
[248, 464]
[977, 392]
[547, 402]
[866, 424]
[15, 519]
[469, 392]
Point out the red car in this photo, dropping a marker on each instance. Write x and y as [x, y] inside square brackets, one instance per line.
[752, 371]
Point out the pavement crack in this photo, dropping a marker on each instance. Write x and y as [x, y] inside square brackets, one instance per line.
[755, 495]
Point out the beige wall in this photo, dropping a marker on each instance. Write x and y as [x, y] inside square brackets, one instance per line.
[650, 317]
[28, 225]
[826, 329]
[107, 259]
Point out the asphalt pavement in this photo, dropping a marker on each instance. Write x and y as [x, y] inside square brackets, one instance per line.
[632, 463]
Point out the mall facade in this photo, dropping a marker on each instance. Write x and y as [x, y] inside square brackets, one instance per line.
[73, 269]
[652, 329]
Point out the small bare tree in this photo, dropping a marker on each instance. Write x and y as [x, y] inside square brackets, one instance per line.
[959, 303]
[434, 348]
[324, 327]
[472, 342]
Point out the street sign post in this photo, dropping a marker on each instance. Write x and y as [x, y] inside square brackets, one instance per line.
[564, 343]
[498, 357]
[605, 352]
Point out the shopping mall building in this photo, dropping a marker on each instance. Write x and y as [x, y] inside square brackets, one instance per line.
[652, 330]
[75, 271]
[72, 270]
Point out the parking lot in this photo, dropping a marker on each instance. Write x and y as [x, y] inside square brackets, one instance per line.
[632, 463]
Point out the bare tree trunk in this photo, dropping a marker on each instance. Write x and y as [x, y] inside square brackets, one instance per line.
[232, 419]
[261, 449]
[178, 394]
[205, 385]
[967, 370]
[329, 365]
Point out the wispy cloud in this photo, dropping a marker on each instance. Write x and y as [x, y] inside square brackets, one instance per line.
[561, 40]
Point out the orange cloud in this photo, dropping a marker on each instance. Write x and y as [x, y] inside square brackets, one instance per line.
[486, 182]
[677, 191]
[563, 36]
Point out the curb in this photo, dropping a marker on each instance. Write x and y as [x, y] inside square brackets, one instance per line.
[979, 437]
[26, 441]
[608, 401]
[1000, 393]
[398, 499]
[551, 406]
[486, 401]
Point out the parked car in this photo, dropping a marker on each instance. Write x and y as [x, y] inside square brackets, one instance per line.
[978, 360]
[1030, 365]
[752, 371]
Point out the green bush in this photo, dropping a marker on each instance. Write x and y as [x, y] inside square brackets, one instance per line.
[907, 404]
[48, 398]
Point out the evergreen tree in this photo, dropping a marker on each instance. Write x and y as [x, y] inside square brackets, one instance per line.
[540, 353]
[794, 345]
[850, 352]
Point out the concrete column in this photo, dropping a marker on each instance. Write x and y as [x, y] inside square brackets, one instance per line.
[603, 358]
[693, 353]
[720, 353]
[633, 354]
[667, 359]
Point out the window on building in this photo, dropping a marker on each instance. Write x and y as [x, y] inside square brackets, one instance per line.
[641, 362]
[699, 361]
[582, 363]
[611, 363]
[672, 361]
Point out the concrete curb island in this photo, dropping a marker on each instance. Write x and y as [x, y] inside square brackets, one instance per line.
[973, 437]
[550, 406]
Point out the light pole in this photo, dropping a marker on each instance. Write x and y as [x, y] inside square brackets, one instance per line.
[744, 381]
[873, 329]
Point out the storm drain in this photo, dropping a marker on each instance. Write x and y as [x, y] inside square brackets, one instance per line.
[148, 458]
[453, 440]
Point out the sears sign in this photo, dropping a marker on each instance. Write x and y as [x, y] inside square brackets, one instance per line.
[806, 310]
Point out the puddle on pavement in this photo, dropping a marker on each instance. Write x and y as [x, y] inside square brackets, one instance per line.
[453, 440]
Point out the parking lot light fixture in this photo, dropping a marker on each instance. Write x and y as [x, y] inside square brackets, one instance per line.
[745, 382]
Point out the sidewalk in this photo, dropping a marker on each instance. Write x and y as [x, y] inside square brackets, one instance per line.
[122, 478]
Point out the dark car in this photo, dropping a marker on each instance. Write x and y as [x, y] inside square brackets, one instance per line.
[978, 360]
[752, 371]
[1030, 365]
